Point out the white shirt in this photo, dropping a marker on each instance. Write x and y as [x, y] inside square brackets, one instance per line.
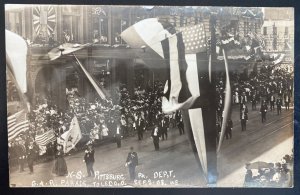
[155, 131]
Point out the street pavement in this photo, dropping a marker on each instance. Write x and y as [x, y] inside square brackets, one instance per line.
[174, 165]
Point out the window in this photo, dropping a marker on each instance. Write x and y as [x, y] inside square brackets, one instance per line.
[255, 27]
[15, 22]
[100, 24]
[181, 21]
[275, 44]
[286, 31]
[274, 30]
[70, 28]
[265, 31]
[246, 28]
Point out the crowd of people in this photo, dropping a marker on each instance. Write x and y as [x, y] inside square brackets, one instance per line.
[125, 115]
[279, 174]
[119, 116]
[271, 86]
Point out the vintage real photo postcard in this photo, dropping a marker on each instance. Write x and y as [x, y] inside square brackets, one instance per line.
[150, 96]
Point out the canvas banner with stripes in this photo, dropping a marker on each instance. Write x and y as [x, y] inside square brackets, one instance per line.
[45, 138]
[17, 123]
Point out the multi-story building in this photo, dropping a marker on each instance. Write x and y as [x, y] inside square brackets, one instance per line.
[46, 26]
[278, 29]
[278, 33]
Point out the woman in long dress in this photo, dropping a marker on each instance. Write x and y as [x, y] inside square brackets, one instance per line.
[60, 166]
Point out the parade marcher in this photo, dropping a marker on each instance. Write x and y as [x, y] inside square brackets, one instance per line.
[164, 125]
[155, 136]
[124, 126]
[140, 127]
[279, 104]
[287, 101]
[180, 125]
[272, 102]
[131, 163]
[228, 131]
[32, 153]
[60, 166]
[118, 136]
[244, 117]
[263, 111]
[253, 101]
[21, 153]
[89, 159]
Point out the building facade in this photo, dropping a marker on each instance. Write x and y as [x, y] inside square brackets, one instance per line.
[109, 60]
[278, 29]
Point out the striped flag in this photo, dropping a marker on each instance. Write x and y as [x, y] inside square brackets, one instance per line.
[45, 138]
[188, 86]
[17, 123]
[16, 54]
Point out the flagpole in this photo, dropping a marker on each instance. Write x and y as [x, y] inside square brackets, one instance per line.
[100, 93]
[227, 102]
[210, 129]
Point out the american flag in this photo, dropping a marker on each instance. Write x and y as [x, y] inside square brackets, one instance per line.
[188, 85]
[194, 38]
[45, 138]
[17, 123]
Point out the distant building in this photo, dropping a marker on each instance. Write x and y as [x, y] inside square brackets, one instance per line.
[278, 29]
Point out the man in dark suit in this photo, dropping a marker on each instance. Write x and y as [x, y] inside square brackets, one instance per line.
[279, 104]
[180, 125]
[89, 160]
[272, 102]
[263, 111]
[155, 136]
[228, 131]
[244, 117]
[164, 125]
[21, 153]
[132, 162]
[140, 127]
[254, 100]
[287, 101]
[32, 153]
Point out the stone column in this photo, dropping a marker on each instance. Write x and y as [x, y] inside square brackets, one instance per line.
[59, 87]
[114, 81]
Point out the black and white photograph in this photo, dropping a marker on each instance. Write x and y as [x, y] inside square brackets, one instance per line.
[115, 96]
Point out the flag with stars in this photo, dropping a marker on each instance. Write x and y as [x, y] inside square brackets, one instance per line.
[182, 52]
[194, 38]
[70, 138]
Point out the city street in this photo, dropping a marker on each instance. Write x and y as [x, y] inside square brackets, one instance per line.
[174, 165]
